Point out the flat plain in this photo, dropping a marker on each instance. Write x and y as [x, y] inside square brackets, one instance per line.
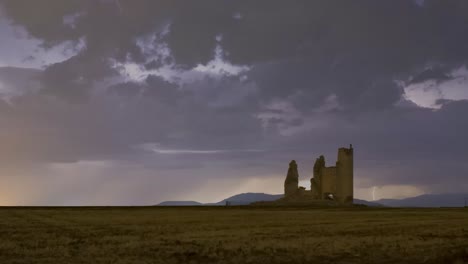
[232, 235]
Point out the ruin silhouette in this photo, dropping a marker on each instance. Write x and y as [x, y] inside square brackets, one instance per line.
[328, 183]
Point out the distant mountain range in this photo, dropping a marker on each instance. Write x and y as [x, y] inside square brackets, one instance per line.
[239, 199]
[427, 200]
[248, 198]
[245, 199]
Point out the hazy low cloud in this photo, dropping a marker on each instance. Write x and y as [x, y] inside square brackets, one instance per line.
[156, 148]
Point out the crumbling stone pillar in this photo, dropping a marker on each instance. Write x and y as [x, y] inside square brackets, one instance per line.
[316, 181]
[291, 184]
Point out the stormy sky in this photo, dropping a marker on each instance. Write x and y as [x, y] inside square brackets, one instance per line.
[123, 102]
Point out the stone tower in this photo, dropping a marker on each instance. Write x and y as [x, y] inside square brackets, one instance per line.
[291, 184]
[344, 175]
[336, 182]
[333, 183]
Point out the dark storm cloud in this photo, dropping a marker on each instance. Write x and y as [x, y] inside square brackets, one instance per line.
[330, 45]
[314, 75]
[153, 86]
[73, 78]
[438, 74]
[44, 127]
[359, 50]
[17, 81]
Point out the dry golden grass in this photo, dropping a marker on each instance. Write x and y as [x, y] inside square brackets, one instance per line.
[232, 235]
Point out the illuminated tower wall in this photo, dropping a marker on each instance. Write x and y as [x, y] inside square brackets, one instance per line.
[344, 173]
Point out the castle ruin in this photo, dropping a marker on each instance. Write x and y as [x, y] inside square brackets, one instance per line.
[328, 183]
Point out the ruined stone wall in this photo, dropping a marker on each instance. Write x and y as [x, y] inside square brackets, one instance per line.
[328, 181]
[337, 181]
[344, 172]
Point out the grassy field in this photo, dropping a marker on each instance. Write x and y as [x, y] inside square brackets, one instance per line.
[232, 235]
